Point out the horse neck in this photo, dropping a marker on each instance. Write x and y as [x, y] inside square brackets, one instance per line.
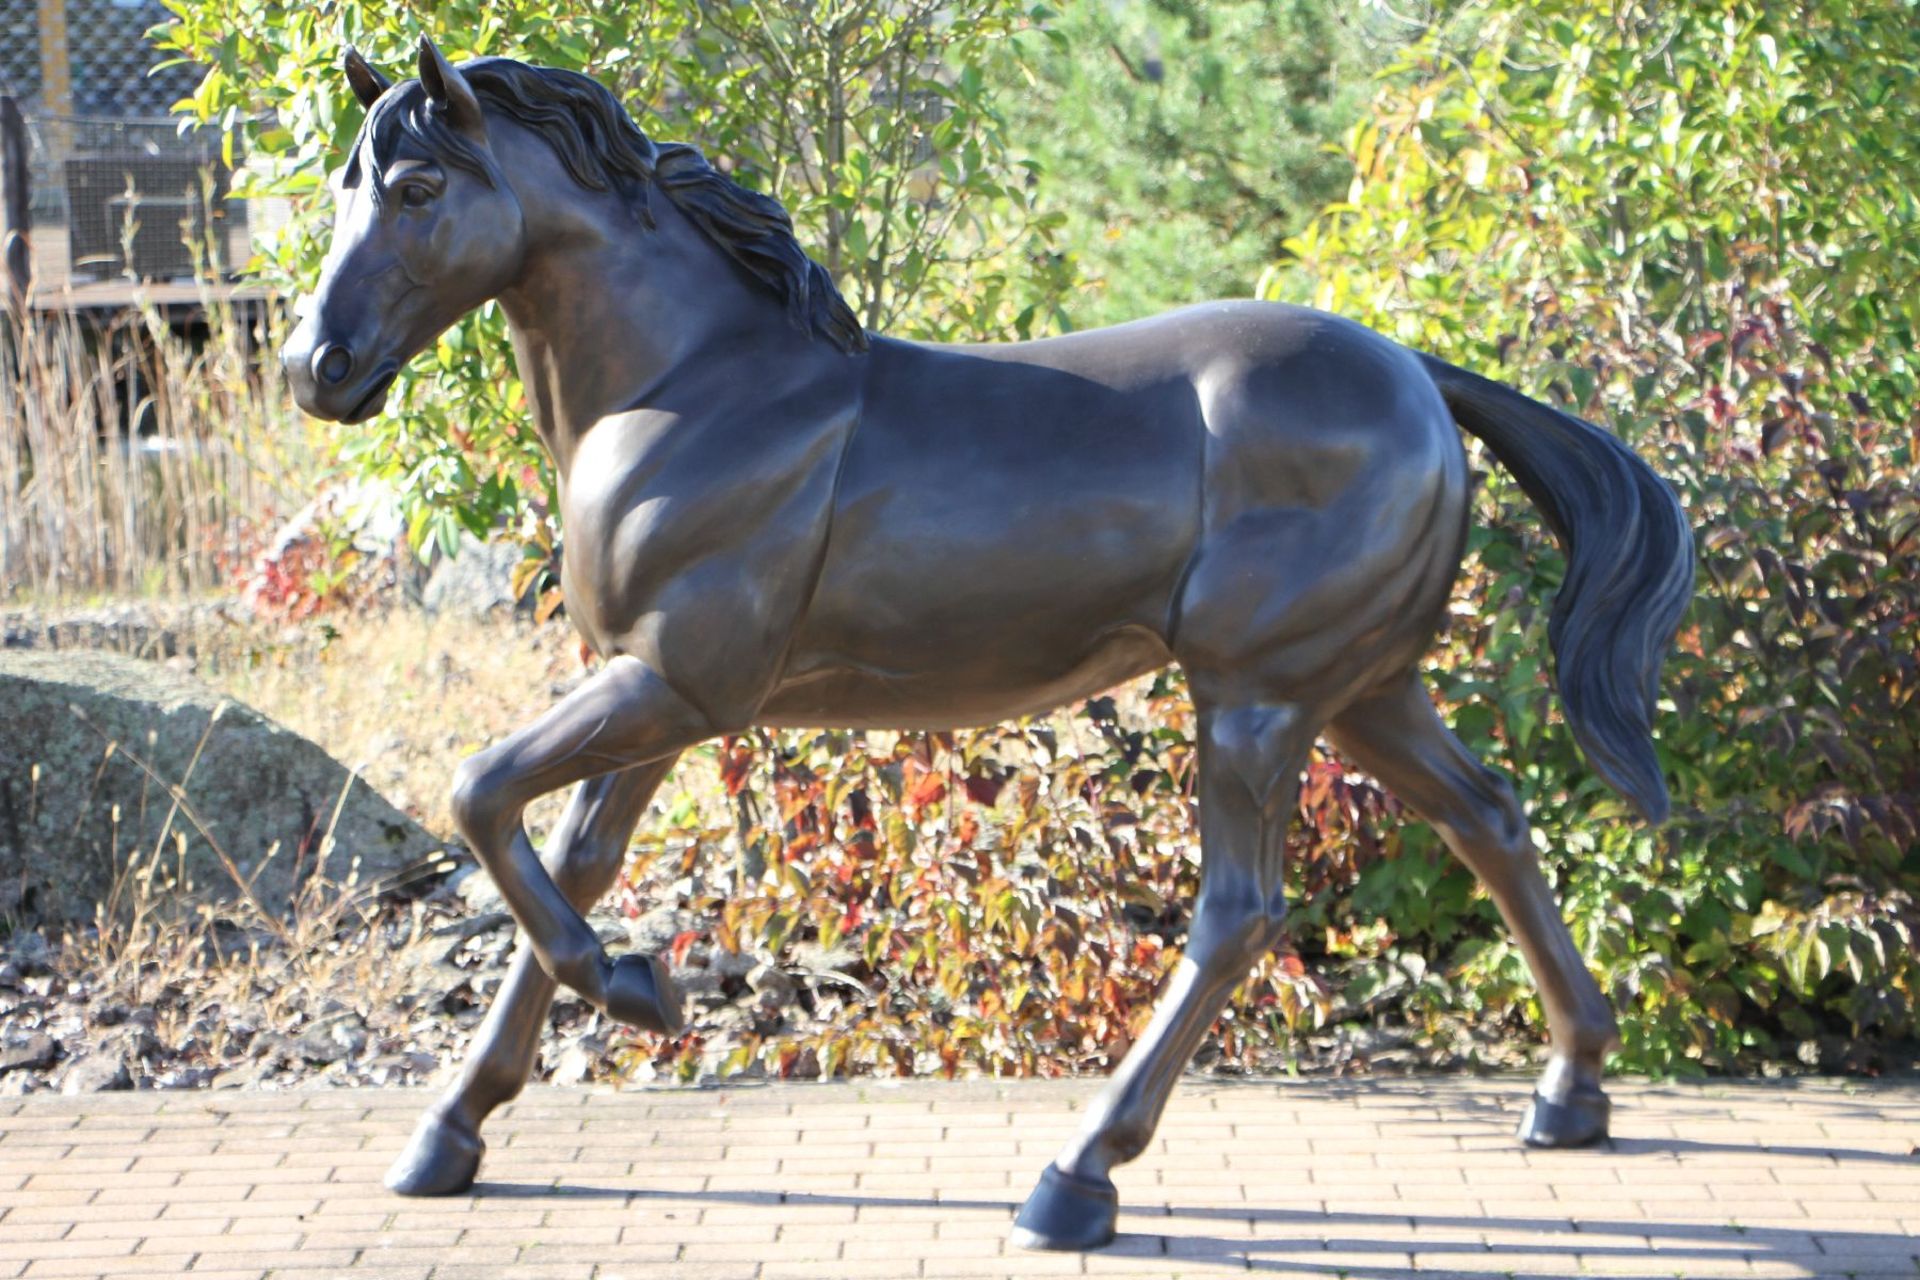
[607, 315]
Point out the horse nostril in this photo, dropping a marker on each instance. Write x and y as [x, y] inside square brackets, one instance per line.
[332, 364]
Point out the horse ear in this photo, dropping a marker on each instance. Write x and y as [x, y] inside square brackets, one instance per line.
[367, 83]
[448, 90]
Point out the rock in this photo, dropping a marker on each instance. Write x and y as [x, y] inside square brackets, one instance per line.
[701, 986]
[31, 954]
[477, 890]
[184, 1078]
[32, 1053]
[135, 1043]
[655, 931]
[575, 1063]
[837, 959]
[19, 1083]
[775, 987]
[255, 785]
[733, 964]
[335, 1039]
[476, 580]
[109, 1015]
[144, 629]
[244, 1075]
[96, 1073]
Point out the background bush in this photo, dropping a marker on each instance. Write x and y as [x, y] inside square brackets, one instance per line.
[1694, 224]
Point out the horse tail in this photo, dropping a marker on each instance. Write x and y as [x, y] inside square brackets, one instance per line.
[1629, 570]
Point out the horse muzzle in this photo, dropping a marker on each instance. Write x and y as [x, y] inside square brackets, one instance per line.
[330, 381]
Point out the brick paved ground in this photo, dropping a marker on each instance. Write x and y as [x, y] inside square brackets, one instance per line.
[1370, 1180]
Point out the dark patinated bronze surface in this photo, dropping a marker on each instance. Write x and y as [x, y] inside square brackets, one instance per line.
[775, 518]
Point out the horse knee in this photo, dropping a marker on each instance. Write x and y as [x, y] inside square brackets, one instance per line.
[475, 802]
[1232, 935]
[1260, 745]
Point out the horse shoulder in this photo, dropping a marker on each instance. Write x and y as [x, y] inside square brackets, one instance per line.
[694, 539]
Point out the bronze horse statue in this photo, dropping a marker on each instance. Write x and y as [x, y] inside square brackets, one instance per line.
[774, 517]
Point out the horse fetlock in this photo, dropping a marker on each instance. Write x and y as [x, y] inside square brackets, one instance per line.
[1126, 1141]
[641, 994]
[582, 968]
[1569, 1075]
[485, 1085]
[1598, 1033]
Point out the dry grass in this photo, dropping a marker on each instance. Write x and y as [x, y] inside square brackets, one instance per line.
[397, 695]
[134, 460]
[201, 978]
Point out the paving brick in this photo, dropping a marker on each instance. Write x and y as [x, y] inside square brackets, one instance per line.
[1307, 1179]
[38, 1250]
[157, 1264]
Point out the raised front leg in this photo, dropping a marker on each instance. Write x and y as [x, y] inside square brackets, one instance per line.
[624, 716]
[1399, 738]
[1250, 763]
[584, 855]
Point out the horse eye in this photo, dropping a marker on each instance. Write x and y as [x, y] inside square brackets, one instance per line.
[416, 195]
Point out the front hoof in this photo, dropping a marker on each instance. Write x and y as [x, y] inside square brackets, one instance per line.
[441, 1159]
[1066, 1212]
[640, 993]
[1579, 1121]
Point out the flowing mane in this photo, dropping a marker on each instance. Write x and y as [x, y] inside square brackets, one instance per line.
[604, 150]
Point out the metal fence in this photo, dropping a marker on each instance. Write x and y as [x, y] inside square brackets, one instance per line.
[93, 55]
[131, 198]
[118, 190]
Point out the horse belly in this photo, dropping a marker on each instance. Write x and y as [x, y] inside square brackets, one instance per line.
[842, 694]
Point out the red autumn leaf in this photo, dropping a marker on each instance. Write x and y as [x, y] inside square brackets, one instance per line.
[736, 761]
[927, 789]
[682, 943]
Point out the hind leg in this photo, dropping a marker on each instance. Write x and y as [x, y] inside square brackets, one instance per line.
[1397, 736]
[1250, 762]
[584, 856]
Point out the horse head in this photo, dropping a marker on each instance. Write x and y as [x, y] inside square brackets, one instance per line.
[426, 229]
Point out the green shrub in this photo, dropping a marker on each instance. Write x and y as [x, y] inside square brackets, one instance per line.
[1697, 225]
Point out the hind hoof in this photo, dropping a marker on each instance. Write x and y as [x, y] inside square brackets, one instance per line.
[1067, 1213]
[640, 993]
[1579, 1121]
[441, 1159]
